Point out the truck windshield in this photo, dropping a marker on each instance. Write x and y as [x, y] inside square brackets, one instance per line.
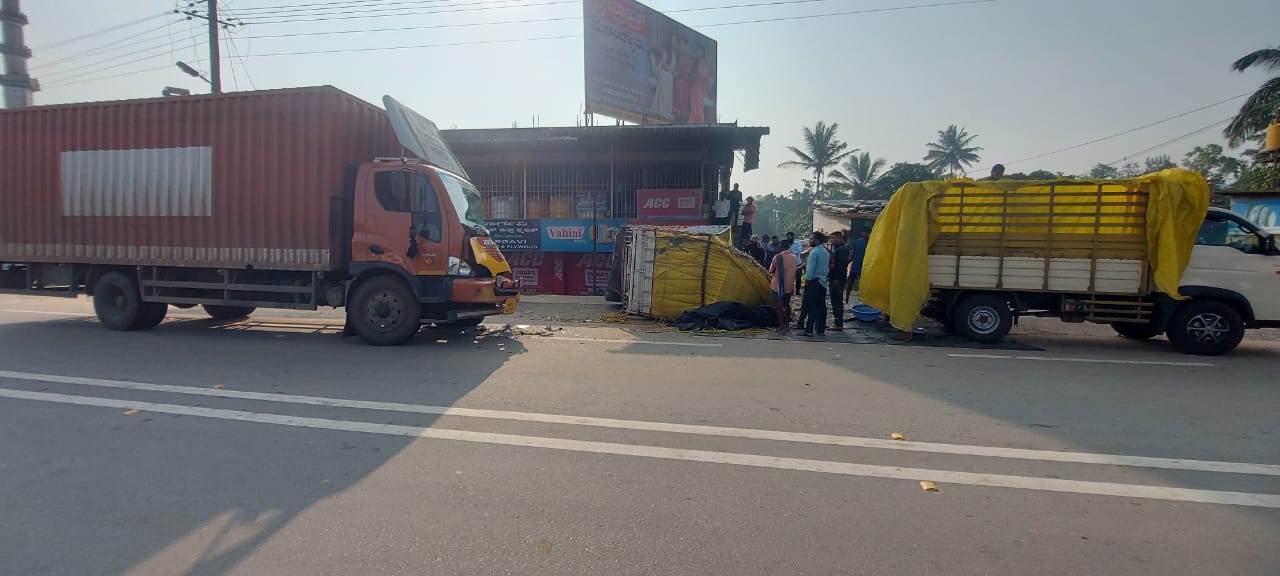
[466, 200]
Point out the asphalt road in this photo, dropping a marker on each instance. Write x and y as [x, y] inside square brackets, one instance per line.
[274, 446]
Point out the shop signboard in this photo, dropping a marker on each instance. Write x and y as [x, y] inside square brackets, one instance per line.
[644, 67]
[515, 234]
[580, 234]
[538, 272]
[680, 204]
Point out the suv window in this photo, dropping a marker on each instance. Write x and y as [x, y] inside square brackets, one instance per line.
[392, 192]
[1225, 232]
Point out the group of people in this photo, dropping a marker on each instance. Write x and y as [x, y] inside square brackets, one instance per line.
[681, 78]
[827, 269]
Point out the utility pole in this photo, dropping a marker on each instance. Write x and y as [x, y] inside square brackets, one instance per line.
[215, 52]
[16, 84]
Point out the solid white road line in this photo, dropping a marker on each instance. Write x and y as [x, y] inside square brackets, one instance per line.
[650, 342]
[1083, 360]
[705, 456]
[45, 313]
[694, 429]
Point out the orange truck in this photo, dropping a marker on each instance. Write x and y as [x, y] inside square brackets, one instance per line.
[291, 199]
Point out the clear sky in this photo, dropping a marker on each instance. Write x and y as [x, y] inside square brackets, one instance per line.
[1027, 76]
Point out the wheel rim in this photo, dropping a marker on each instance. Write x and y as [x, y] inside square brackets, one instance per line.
[384, 311]
[984, 320]
[1208, 327]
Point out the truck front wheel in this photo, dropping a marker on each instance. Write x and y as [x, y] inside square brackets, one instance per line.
[384, 312]
[117, 302]
[1205, 327]
[982, 318]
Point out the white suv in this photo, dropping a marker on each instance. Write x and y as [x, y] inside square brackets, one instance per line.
[1233, 281]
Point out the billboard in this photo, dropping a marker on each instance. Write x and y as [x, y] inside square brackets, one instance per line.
[1262, 210]
[644, 67]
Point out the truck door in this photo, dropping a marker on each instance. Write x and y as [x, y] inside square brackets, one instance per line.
[403, 225]
[1230, 254]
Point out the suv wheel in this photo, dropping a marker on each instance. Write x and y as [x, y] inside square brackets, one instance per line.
[1205, 327]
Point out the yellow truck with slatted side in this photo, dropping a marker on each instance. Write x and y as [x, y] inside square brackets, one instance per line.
[976, 255]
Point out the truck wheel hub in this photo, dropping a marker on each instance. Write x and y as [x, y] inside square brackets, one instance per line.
[385, 311]
[1207, 327]
[983, 320]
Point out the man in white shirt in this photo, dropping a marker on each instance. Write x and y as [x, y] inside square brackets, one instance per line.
[721, 210]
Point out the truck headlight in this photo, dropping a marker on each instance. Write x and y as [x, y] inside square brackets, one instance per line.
[458, 267]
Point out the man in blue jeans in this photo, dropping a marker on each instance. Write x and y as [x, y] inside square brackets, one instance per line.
[816, 269]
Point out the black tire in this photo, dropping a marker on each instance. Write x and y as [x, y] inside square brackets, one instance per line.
[117, 302]
[151, 315]
[228, 312]
[984, 318]
[1205, 327]
[1135, 330]
[384, 311]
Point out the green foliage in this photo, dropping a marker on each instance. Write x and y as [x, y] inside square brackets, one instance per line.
[1033, 175]
[858, 175]
[953, 151]
[1104, 172]
[1219, 169]
[1158, 163]
[900, 174]
[1259, 177]
[777, 214]
[1263, 106]
[822, 152]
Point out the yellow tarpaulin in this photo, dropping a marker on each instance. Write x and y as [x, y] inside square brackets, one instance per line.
[691, 270]
[895, 274]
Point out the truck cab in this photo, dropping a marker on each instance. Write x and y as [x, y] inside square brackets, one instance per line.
[1232, 282]
[420, 253]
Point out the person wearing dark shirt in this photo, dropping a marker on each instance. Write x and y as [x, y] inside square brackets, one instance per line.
[735, 205]
[857, 254]
[839, 276]
[756, 250]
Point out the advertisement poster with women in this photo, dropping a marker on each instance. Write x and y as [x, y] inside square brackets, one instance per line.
[644, 67]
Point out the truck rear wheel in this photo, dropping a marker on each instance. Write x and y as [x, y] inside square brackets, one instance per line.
[1205, 327]
[982, 318]
[117, 302]
[151, 315]
[1135, 330]
[227, 312]
[384, 311]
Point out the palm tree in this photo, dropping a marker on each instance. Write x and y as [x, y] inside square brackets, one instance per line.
[859, 172]
[1263, 106]
[822, 152]
[953, 151]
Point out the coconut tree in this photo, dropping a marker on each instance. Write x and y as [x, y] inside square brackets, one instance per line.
[953, 152]
[859, 172]
[1263, 106]
[822, 152]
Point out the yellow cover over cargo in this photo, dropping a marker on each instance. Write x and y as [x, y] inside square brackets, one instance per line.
[690, 271]
[1166, 207]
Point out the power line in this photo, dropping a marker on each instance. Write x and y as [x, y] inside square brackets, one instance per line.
[521, 21]
[261, 10]
[141, 37]
[356, 14]
[106, 30]
[513, 40]
[150, 52]
[558, 37]
[108, 77]
[1171, 141]
[1131, 130]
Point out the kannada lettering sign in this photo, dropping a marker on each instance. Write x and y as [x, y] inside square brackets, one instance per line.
[516, 234]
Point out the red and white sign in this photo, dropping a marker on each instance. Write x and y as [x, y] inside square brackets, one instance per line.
[586, 274]
[538, 272]
[669, 204]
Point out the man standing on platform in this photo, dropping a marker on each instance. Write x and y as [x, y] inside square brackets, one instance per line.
[839, 277]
